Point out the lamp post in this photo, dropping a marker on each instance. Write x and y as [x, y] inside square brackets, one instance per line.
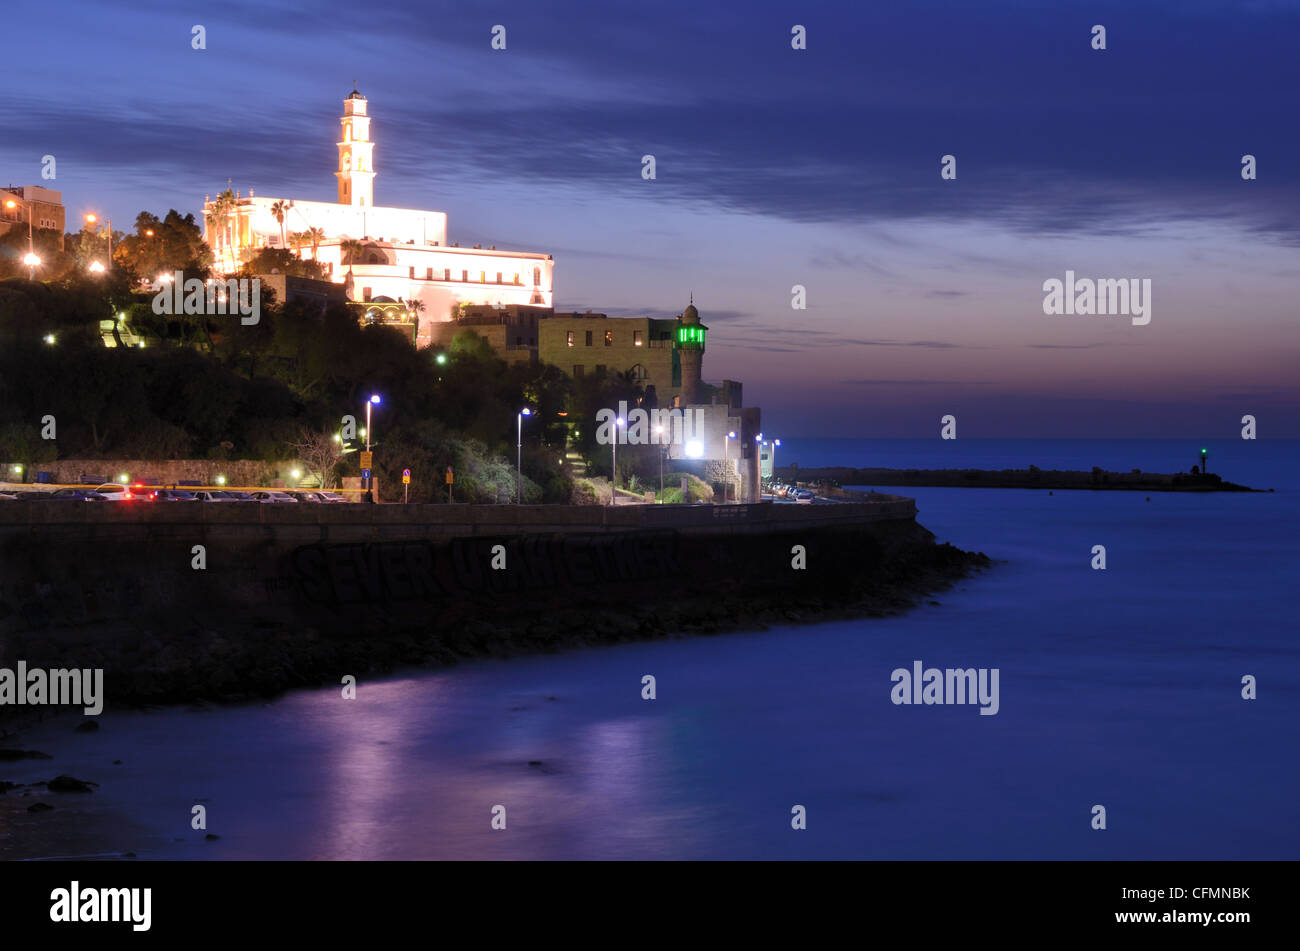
[726, 464]
[32, 262]
[613, 475]
[373, 401]
[659, 431]
[519, 455]
[11, 205]
[91, 219]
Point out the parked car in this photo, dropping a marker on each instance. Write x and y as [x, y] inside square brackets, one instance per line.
[332, 497]
[235, 495]
[8, 497]
[116, 492]
[303, 495]
[273, 496]
[172, 495]
[803, 496]
[74, 495]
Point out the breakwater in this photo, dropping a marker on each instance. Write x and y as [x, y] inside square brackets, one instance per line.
[227, 601]
[1031, 478]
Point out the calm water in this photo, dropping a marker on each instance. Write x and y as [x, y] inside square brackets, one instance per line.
[1119, 688]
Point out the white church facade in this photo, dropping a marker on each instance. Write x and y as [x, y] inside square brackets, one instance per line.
[403, 257]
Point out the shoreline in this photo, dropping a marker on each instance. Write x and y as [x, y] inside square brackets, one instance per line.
[262, 620]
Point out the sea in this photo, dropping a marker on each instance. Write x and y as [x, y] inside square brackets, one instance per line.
[1149, 709]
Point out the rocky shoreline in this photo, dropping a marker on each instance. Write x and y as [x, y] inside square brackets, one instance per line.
[240, 653]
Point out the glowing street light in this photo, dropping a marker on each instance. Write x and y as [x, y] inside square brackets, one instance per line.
[31, 208]
[96, 268]
[519, 455]
[373, 401]
[49, 338]
[726, 464]
[32, 262]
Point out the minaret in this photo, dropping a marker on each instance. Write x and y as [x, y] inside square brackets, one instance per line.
[690, 351]
[356, 172]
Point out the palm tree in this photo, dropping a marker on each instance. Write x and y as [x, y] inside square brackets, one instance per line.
[222, 208]
[278, 210]
[351, 249]
[298, 240]
[315, 236]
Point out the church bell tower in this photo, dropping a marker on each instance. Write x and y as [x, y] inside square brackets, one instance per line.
[356, 172]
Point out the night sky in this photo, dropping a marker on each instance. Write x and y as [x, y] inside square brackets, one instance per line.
[775, 167]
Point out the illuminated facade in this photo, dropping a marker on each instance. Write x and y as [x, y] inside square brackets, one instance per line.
[402, 262]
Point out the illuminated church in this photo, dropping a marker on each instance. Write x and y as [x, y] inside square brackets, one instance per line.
[403, 265]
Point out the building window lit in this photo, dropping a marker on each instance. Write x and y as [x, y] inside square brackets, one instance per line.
[517, 281]
[446, 274]
[571, 336]
[482, 277]
[428, 274]
[636, 338]
[498, 277]
[464, 275]
[537, 277]
[412, 272]
[609, 338]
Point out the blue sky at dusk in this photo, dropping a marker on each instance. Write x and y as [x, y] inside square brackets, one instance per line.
[775, 167]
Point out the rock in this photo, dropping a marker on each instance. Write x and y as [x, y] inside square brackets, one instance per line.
[90, 726]
[9, 756]
[39, 807]
[69, 784]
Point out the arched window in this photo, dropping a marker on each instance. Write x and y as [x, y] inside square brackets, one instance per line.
[638, 372]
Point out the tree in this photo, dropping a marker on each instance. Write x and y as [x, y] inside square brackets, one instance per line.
[320, 452]
[174, 243]
[222, 208]
[279, 209]
[351, 250]
[315, 236]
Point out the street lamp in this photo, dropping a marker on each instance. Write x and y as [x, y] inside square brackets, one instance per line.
[519, 455]
[32, 262]
[11, 205]
[373, 401]
[663, 451]
[95, 268]
[726, 464]
[613, 474]
[91, 219]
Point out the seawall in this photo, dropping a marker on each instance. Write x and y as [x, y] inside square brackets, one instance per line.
[181, 601]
